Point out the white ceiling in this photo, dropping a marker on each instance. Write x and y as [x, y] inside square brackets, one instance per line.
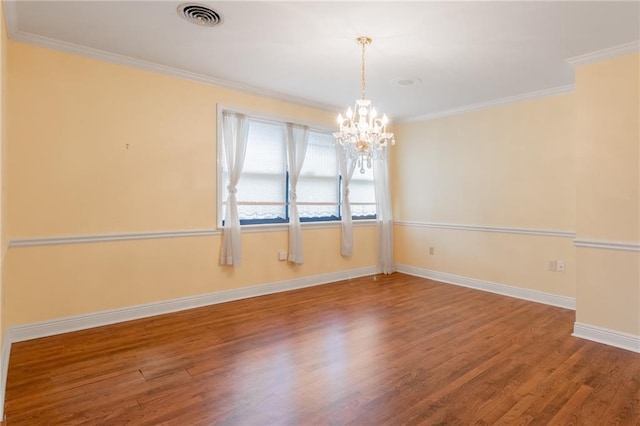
[465, 53]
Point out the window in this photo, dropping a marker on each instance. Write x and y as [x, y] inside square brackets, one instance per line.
[263, 188]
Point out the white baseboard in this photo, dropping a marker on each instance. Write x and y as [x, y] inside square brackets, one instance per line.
[503, 289]
[585, 331]
[607, 336]
[81, 322]
[4, 369]
[97, 319]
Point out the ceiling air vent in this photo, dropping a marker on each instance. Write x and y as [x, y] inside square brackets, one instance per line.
[199, 14]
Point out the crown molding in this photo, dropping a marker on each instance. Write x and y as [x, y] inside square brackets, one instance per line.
[10, 16]
[114, 58]
[553, 91]
[600, 55]
[15, 34]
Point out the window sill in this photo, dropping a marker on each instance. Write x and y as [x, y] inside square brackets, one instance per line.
[280, 227]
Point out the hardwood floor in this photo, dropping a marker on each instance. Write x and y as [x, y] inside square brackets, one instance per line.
[391, 350]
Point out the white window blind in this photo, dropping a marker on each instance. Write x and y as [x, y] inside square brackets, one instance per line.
[362, 194]
[262, 187]
[318, 185]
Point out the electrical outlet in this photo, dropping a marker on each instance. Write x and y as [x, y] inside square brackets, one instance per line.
[432, 250]
[552, 266]
[560, 265]
[282, 255]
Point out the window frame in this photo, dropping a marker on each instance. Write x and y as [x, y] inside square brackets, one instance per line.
[220, 190]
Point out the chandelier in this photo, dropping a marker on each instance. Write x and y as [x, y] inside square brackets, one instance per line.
[362, 132]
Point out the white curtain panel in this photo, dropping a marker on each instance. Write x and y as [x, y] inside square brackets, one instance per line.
[384, 219]
[235, 130]
[347, 165]
[297, 141]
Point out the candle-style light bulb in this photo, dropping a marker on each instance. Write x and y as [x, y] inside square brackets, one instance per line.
[349, 113]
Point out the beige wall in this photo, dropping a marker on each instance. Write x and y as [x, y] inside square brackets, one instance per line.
[106, 148]
[509, 166]
[568, 163]
[3, 161]
[608, 192]
[99, 148]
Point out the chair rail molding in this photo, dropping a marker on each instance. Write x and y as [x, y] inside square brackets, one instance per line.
[606, 245]
[489, 228]
[126, 236]
[99, 238]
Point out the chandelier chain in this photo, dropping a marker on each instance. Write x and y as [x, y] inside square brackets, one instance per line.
[362, 132]
[364, 44]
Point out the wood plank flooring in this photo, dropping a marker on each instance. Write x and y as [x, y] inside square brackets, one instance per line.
[392, 350]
